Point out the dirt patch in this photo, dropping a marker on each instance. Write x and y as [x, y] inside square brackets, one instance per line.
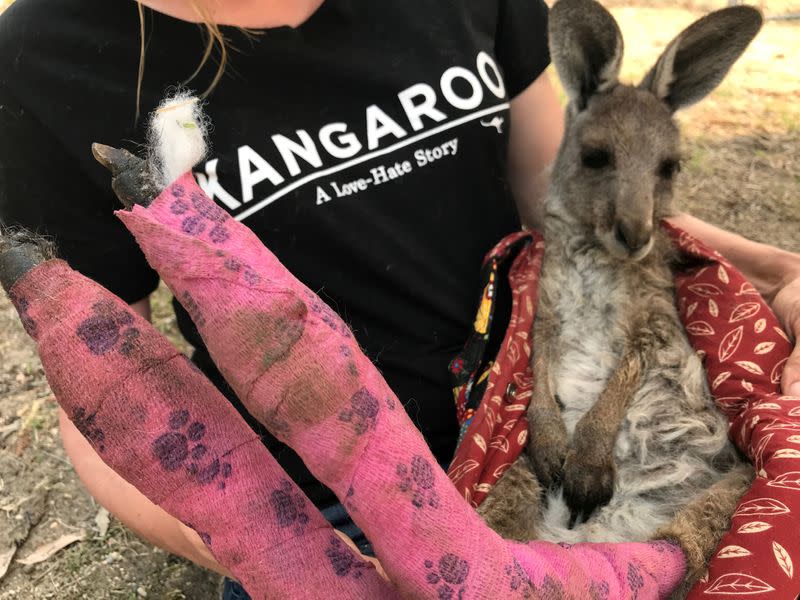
[742, 171]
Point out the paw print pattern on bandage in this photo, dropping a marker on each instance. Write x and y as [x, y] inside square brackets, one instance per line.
[363, 411]
[635, 580]
[109, 328]
[205, 537]
[448, 575]
[599, 590]
[328, 316]
[519, 582]
[193, 309]
[550, 588]
[201, 213]
[418, 482]
[346, 352]
[23, 306]
[289, 507]
[85, 423]
[235, 265]
[181, 447]
[343, 560]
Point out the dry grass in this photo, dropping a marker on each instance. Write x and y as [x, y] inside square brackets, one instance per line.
[742, 171]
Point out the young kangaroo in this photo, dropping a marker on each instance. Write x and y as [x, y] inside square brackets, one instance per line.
[625, 440]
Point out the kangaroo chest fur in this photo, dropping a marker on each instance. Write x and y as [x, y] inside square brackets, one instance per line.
[672, 443]
[589, 302]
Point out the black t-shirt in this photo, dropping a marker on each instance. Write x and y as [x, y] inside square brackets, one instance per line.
[366, 148]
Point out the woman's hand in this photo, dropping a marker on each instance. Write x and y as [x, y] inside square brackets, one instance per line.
[786, 304]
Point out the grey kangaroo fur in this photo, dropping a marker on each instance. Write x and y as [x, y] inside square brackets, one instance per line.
[626, 443]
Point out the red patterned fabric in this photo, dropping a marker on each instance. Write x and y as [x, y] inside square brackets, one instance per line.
[497, 428]
[744, 350]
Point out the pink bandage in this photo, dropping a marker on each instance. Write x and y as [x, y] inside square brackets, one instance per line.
[161, 425]
[297, 368]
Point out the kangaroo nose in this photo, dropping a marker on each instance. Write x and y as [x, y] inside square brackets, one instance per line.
[633, 238]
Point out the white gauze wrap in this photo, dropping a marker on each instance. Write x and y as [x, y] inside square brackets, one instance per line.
[177, 138]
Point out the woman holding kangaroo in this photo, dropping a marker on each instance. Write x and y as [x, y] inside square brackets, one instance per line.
[307, 98]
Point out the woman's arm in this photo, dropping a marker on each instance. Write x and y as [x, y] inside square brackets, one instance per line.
[537, 126]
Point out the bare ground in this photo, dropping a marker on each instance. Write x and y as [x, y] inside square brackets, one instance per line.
[742, 171]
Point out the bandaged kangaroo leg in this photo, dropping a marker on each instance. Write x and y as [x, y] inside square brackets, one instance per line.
[161, 425]
[297, 368]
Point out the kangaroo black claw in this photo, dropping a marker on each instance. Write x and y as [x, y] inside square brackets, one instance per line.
[21, 251]
[132, 179]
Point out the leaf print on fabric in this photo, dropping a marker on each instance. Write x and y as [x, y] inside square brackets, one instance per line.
[760, 325]
[720, 379]
[794, 439]
[744, 311]
[738, 584]
[723, 275]
[754, 527]
[792, 426]
[761, 506]
[764, 348]
[786, 453]
[758, 455]
[750, 367]
[747, 289]
[783, 558]
[700, 328]
[777, 371]
[690, 310]
[713, 308]
[789, 481]
[782, 333]
[500, 443]
[705, 289]
[460, 471]
[733, 552]
[730, 343]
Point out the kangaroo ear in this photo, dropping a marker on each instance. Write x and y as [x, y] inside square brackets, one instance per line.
[698, 59]
[586, 47]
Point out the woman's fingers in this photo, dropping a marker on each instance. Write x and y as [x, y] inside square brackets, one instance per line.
[786, 305]
[163, 427]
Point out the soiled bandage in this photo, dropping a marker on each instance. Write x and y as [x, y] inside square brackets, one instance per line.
[297, 368]
[159, 423]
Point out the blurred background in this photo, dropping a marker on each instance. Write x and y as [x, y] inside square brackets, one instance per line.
[742, 171]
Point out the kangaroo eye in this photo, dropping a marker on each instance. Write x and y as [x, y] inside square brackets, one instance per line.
[596, 158]
[668, 168]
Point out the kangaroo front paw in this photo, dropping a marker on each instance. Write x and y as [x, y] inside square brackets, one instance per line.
[547, 449]
[132, 179]
[588, 483]
[20, 251]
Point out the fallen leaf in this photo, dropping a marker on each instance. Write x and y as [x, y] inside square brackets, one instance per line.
[42, 553]
[102, 520]
[5, 560]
